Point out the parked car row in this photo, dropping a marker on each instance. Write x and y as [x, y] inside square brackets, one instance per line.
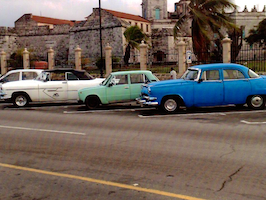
[202, 85]
[61, 85]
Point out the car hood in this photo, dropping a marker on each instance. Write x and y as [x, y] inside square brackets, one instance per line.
[170, 82]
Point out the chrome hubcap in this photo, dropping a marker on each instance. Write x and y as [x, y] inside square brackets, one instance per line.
[256, 101]
[21, 100]
[170, 105]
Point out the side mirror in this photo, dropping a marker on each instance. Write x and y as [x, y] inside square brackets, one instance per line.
[110, 84]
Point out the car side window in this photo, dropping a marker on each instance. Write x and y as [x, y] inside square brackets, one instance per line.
[232, 74]
[120, 79]
[29, 75]
[71, 76]
[210, 75]
[12, 77]
[138, 78]
[57, 76]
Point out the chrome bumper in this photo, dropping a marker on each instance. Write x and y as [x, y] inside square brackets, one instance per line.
[2, 95]
[147, 101]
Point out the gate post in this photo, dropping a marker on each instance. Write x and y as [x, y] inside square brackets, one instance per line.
[108, 59]
[226, 42]
[3, 62]
[78, 58]
[181, 58]
[26, 59]
[50, 58]
[143, 56]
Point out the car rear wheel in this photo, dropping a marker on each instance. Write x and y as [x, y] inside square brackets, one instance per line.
[170, 105]
[92, 102]
[20, 100]
[256, 102]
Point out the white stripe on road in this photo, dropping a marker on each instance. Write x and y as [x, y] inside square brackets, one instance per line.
[42, 130]
[202, 114]
[179, 115]
[99, 111]
[252, 123]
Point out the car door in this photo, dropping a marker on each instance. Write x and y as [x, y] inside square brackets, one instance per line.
[237, 87]
[55, 88]
[118, 90]
[209, 90]
[136, 81]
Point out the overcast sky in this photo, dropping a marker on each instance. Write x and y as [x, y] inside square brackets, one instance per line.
[11, 10]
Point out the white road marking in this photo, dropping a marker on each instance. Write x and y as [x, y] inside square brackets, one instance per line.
[202, 114]
[114, 110]
[179, 115]
[252, 123]
[42, 130]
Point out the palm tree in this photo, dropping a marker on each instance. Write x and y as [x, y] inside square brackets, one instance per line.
[207, 20]
[134, 36]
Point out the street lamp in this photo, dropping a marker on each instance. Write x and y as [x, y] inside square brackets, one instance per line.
[101, 45]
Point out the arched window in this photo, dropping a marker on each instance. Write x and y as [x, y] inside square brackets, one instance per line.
[157, 13]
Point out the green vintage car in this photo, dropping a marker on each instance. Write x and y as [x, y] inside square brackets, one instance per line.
[118, 87]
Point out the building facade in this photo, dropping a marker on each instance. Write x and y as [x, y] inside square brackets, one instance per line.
[38, 33]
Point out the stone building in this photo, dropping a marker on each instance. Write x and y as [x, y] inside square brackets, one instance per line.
[248, 19]
[87, 34]
[38, 33]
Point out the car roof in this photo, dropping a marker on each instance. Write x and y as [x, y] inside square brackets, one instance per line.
[219, 66]
[64, 70]
[130, 72]
[24, 70]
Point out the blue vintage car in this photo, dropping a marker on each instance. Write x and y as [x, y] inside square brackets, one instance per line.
[208, 85]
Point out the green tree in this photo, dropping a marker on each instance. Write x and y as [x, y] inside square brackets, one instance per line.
[134, 36]
[208, 19]
[258, 35]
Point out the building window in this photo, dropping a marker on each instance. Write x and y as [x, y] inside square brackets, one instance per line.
[129, 22]
[147, 28]
[136, 24]
[157, 13]
[141, 26]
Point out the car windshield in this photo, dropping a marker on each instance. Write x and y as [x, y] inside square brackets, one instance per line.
[190, 74]
[43, 76]
[106, 80]
[252, 74]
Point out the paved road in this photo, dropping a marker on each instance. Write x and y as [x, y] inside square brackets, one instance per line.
[65, 152]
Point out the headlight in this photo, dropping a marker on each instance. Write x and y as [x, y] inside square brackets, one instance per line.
[149, 90]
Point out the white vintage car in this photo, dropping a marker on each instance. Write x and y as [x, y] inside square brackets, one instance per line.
[50, 86]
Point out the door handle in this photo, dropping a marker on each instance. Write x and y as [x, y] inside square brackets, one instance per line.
[126, 87]
[64, 82]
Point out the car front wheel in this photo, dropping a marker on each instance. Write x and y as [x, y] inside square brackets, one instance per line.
[92, 102]
[256, 102]
[20, 100]
[170, 105]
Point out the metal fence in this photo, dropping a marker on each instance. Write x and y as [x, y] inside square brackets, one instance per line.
[254, 57]
[154, 64]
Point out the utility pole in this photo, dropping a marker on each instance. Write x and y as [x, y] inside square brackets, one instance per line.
[101, 45]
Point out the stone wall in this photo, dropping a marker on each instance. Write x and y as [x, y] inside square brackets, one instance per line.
[39, 44]
[87, 36]
[8, 38]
